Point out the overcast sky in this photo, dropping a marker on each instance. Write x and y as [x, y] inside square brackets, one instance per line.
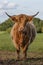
[14, 7]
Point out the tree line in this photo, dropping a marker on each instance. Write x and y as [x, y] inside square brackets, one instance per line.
[7, 24]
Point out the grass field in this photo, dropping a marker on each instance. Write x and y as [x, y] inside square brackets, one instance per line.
[8, 56]
[6, 43]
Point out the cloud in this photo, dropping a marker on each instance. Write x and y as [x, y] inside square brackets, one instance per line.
[1, 5]
[1, 12]
[5, 4]
[11, 5]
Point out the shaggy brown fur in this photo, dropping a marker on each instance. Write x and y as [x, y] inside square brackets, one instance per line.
[23, 32]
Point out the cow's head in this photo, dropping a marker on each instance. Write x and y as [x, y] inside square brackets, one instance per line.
[21, 19]
[17, 18]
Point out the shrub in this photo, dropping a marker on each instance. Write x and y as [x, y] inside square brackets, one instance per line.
[8, 30]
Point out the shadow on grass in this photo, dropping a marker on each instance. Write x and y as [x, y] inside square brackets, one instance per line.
[28, 61]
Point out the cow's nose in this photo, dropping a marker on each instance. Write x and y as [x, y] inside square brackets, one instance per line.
[21, 29]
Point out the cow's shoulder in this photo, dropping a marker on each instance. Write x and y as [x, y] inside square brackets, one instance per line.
[14, 28]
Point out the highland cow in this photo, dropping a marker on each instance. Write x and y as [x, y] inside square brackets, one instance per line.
[23, 32]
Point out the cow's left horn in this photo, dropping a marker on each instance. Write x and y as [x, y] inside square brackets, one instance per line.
[35, 14]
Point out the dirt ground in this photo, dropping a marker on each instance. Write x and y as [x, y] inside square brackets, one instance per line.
[9, 58]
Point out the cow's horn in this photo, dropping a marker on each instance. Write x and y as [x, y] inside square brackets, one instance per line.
[7, 14]
[35, 14]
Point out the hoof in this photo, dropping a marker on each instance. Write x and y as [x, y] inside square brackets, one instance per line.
[24, 59]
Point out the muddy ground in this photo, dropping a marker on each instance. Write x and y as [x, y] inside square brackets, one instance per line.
[9, 58]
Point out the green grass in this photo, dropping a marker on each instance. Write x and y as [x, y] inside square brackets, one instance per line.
[37, 45]
[6, 43]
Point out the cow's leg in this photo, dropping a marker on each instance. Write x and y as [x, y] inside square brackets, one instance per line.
[18, 53]
[16, 45]
[24, 50]
[25, 53]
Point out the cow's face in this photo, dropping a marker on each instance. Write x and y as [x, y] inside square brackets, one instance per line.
[22, 22]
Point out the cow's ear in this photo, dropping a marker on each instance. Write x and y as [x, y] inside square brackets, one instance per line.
[13, 18]
[30, 18]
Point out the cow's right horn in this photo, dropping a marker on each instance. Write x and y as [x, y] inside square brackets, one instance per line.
[7, 14]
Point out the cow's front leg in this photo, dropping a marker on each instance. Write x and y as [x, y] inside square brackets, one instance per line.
[25, 54]
[16, 45]
[24, 50]
[18, 54]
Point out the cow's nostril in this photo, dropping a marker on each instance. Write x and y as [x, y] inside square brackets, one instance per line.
[22, 31]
